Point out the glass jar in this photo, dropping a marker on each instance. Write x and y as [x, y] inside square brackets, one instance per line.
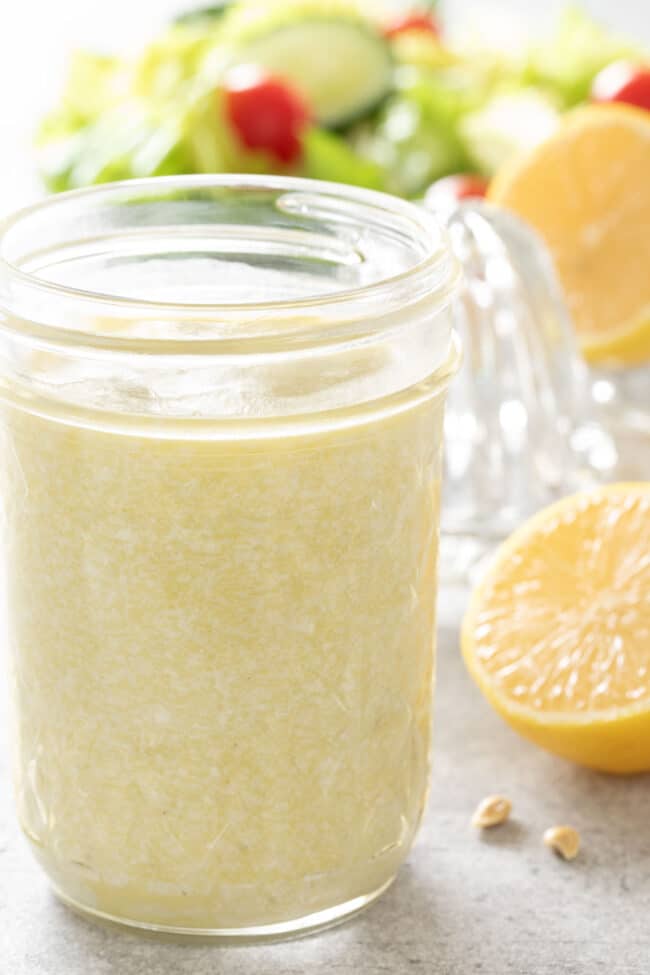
[221, 420]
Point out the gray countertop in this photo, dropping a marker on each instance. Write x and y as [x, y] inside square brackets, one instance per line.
[494, 904]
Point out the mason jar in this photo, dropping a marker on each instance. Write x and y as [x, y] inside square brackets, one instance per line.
[221, 425]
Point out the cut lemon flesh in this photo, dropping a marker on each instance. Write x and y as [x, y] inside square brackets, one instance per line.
[586, 190]
[557, 635]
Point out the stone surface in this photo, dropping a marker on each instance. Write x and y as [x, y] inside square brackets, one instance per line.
[465, 904]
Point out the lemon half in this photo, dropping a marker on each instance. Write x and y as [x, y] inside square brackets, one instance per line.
[557, 635]
[586, 190]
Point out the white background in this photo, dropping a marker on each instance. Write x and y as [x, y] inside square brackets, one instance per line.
[36, 36]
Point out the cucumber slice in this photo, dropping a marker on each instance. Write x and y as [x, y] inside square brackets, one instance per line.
[342, 65]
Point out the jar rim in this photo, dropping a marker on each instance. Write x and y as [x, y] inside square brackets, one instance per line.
[434, 273]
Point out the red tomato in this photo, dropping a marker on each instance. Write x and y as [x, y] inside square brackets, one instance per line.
[623, 82]
[266, 113]
[453, 189]
[401, 25]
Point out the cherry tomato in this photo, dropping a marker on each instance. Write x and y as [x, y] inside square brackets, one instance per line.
[266, 113]
[452, 189]
[409, 22]
[623, 82]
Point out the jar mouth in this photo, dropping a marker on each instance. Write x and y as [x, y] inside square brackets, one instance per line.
[204, 260]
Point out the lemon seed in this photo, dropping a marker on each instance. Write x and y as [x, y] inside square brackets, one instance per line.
[491, 811]
[563, 840]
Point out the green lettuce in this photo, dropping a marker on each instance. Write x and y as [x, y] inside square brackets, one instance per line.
[416, 138]
[511, 121]
[126, 142]
[328, 156]
[569, 60]
[175, 60]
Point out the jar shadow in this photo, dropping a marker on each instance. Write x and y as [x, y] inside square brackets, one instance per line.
[511, 834]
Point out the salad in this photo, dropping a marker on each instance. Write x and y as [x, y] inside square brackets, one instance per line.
[320, 88]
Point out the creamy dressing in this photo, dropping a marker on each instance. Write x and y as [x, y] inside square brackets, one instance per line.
[222, 658]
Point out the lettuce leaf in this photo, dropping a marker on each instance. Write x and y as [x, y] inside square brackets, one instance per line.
[173, 60]
[416, 138]
[510, 122]
[328, 156]
[569, 60]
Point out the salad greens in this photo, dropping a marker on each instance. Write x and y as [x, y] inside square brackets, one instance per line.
[567, 63]
[199, 15]
[392, 107]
